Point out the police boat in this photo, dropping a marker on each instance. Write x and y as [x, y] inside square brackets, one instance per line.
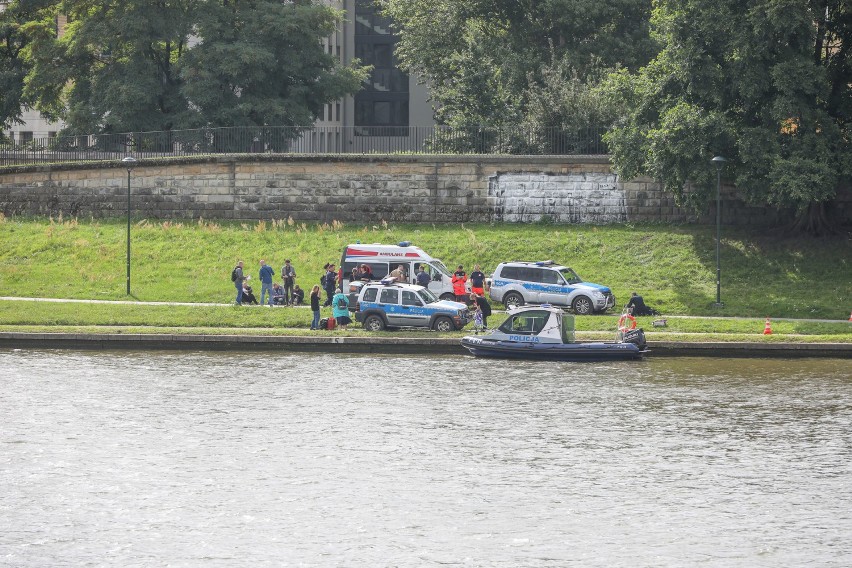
[547, 333]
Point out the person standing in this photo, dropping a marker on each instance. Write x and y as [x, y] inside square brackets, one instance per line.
[340, 309]
[237, 278]
[315, 306]
[288, 278]
[459, 280]
[330, 283]
[266, 275]
[423, 277]
[477, 281]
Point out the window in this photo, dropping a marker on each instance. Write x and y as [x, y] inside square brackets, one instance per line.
[509, 272]
[550, 277]
[409, 298]
[389, 296]
[381, 107]
[528, 323]
[370, 294]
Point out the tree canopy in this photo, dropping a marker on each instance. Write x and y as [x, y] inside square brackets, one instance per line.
[142, 65]
[505, 62]
[15, 36]
[765, 83]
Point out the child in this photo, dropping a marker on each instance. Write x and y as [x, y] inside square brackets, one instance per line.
[478, 324]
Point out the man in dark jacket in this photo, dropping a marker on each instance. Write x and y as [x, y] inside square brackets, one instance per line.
[638, 306]
[329, 283]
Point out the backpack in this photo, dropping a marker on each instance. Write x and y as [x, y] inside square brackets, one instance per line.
[234, 275]
[341, 304]
[322, 281]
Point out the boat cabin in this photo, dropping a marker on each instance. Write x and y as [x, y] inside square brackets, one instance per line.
[538, 324]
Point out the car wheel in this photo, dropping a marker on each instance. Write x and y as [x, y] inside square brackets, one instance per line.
[582, 306]
[443, 324]
[374, 323]
[513, 300]
[448, 296]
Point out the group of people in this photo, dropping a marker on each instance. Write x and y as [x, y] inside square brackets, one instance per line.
[288, 293]
[478, 302]
[335, 298]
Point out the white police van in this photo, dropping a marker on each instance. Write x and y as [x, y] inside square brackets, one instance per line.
[545, 282]
[382, 259]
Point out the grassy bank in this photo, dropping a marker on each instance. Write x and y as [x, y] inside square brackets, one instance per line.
[673, 267]
[254, 320]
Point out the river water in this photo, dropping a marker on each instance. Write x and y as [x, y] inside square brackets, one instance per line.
[260, 459]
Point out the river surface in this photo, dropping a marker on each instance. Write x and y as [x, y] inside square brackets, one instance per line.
[260, 459]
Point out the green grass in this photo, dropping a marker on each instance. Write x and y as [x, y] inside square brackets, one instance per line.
[255, 320]
[672, 267]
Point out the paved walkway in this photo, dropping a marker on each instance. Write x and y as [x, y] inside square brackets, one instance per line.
[140, 303]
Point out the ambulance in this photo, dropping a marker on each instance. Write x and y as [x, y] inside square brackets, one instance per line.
[382, 259]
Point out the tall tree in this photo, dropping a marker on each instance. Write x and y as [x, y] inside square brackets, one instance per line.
[487, 61]
[261, 62]
[766, 83]
[148, 65]
[14, 40]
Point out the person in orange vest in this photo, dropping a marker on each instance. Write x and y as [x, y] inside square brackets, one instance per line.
[459, 280]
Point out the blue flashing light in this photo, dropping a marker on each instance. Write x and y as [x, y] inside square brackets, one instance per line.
[405, 243]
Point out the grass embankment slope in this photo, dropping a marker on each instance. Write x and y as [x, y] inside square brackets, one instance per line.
[672, 267]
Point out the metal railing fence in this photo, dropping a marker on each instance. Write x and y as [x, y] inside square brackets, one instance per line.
[304, 140]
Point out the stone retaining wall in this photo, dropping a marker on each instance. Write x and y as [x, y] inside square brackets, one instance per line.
[362, 189]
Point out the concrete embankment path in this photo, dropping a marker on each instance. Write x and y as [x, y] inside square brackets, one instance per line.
[332, 342]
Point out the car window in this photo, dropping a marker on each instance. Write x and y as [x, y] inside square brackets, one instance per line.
[532, 274]
[427, 296]
[571, 276]
[550, 277]
[410, 298]
[370, 294]
[509, 272]
[389, 296]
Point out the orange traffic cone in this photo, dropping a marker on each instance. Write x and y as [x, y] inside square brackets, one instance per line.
[767, 330]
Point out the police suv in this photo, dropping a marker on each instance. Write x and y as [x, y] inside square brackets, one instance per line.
[545, 282]
[386, 304]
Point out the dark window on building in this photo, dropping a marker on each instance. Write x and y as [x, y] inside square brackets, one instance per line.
[381, 107]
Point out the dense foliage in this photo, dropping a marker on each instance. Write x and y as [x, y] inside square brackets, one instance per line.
[509, 63]
[15, 22]
[765, 83]
[142, 65]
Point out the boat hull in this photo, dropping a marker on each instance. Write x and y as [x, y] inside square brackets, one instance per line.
[583, 351]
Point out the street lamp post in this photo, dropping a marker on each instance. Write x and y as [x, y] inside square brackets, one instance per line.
[129, 162]
[719, 161]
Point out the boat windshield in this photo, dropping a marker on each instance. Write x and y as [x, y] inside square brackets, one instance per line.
[427, 296]
[527, 323]
[570, 276]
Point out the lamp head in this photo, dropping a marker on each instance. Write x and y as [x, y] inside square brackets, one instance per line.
[719, 161]
[129, 162]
